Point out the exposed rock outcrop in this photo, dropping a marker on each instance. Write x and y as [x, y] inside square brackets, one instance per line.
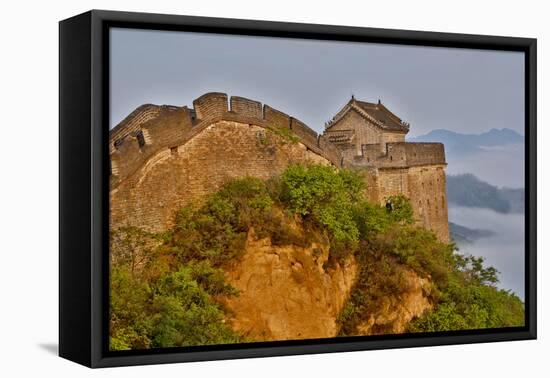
[286, 293]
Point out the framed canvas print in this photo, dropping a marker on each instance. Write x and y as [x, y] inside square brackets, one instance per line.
[233, 188]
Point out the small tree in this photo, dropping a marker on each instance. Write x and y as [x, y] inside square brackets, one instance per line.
[399, 209]
[131, 246]
[326, 197]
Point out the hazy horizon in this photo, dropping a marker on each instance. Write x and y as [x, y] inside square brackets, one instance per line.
[462, 90]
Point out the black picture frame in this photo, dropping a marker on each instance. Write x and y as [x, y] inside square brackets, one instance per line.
[84, 186]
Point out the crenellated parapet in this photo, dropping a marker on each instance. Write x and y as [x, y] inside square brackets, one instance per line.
[151, 129]
[400, 155]
[210, 105]
[132, 143]
[132, 123]
[246, 107]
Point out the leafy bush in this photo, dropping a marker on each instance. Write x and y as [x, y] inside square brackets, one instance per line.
[217, 230]
[469, 300]
[399, 209]
[326, 197]
[129, 324]
[467, 305]
[131, 246]
[306, 189]
[372, 219]
[420, 250]
[174, 310]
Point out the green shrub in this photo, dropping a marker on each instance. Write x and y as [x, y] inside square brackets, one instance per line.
[420, 250]
[131, 246]
[217, 231]
[306, 189]
[174, 310]
[183, 313]
[469, 299]
[399, 209]
[371, 219]
[129, 323]
[467, 305]
[326, 197]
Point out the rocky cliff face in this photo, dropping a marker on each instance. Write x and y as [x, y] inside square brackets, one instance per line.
[288, 292]
[285, 292]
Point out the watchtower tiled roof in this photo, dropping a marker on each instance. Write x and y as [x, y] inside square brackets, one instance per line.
[377, 113]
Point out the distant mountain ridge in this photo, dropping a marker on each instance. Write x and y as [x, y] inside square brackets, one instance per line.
[457, 142]
[469, 191]
[464, 235]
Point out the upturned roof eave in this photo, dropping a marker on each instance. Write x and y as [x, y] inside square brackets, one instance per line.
[351, 105]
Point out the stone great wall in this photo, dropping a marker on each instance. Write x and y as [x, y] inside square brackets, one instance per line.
[164, 157]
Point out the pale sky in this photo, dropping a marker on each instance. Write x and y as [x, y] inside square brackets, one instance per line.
[463, 90]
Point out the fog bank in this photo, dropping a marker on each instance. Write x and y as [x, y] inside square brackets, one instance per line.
[501, 165]
[505, 250]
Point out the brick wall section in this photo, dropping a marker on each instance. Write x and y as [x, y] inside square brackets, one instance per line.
[173, 178]
[415, 154]
[331, 151]
[170, 128]
[133, 122]
[303, 131]
[210, 105]
[423, 185]
[402, 155]
[246, 107]
[127, 156]
[426, 190]
[276, 118]
[389, 137]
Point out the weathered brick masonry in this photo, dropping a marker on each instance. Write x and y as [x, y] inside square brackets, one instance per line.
[163, 157]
